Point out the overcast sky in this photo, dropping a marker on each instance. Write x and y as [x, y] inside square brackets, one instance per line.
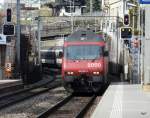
[1, 1]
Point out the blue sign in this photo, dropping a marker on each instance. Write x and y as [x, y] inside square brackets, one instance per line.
[144, 1]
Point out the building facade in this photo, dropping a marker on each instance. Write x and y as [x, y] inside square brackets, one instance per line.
[115, 10]
[114, 7]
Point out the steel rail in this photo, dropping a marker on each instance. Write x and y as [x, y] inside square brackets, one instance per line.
[11, 88]
[29, 94]
[54, 108]
[63, 102]
[24, 90]
[85, 108]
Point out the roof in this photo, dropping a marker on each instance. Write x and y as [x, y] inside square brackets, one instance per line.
[84, 35]
[65, 3]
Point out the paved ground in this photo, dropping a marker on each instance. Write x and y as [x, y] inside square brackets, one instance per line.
[124, 101]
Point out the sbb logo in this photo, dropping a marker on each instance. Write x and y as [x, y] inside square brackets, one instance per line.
[91, 65]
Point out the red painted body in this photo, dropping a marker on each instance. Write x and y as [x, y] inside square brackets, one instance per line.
[87, 70]
[83, 66]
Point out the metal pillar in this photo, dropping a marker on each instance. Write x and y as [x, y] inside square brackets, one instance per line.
[91, 7]
[142, 48]
[71, 15]
[18, 38]
[146, 43]
[39, 41]
[117, 25]
[124, 7]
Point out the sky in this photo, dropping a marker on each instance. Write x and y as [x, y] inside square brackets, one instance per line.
[1, 1]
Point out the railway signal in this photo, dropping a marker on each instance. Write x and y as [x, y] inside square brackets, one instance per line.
[9, 15]
[8, 69]
[126, 32]
[126, 20]
[8, 29]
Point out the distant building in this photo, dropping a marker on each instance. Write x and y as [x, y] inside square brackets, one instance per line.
[114, 7]
[27, 3]
[67, 10]
[67, 7]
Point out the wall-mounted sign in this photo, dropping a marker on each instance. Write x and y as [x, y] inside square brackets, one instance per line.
[2, 39]
[144, 1]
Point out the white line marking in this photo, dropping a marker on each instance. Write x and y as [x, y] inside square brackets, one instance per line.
[116, 111]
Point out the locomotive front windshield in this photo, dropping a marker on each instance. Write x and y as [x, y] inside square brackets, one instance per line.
[83, 52]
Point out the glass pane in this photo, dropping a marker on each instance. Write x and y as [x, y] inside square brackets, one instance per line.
[83, 52]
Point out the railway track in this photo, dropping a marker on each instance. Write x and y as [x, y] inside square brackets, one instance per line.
[71, 107]
[21, 95]
[32, 107]
[52, 71]
[11, 88]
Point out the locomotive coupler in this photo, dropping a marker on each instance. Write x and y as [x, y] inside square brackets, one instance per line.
[90, 84]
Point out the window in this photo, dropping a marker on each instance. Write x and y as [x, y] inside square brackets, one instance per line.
[83, 52]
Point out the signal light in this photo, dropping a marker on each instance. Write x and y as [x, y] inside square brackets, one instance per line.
[126, 19]
[8, 15]
[126, 32]
[8, 29]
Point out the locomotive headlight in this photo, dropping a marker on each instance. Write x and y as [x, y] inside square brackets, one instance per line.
[70, 73]
[96, 73]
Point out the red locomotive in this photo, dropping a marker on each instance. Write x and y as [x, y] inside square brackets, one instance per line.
[84, 66]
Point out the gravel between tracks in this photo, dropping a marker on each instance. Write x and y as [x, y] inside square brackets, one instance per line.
[32, 107]
[71, 108]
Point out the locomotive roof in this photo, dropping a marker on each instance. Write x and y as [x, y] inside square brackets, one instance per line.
[84, 35]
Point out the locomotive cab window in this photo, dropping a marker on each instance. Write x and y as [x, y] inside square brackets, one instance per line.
[88, 52]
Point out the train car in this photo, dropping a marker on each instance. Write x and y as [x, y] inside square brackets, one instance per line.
[50, 57]
[58, 53]
[84, 66]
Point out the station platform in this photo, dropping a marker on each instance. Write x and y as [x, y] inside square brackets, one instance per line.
[9, 82]
[123, 101]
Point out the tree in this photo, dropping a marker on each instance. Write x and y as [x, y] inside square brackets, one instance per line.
[96, 5]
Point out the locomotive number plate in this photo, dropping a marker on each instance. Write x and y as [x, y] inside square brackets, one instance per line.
[94, 65]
